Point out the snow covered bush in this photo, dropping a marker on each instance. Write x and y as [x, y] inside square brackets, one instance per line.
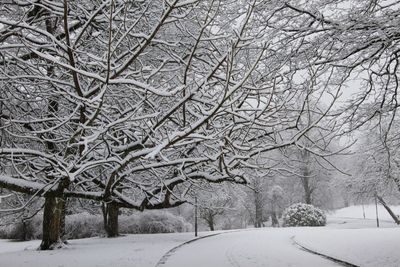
[23, 229]
[84, 225]
[301, 214]
[79, 225]
[152, 222]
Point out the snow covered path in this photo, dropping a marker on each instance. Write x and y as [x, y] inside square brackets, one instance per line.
[256, 248]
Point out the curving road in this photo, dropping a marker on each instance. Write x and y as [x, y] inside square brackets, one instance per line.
[250, 248]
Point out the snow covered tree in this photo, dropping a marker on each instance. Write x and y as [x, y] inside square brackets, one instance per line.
[357, 42]
[213, 207]
[376, 172]
[134, 103]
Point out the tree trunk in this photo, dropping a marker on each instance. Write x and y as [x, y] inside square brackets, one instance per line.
[274, 218]
[258, 209]
[51, 223]
[346, 202]
[307, 191]
[110, 215]
[306, 177]
[63, 207]
[389, 210]
[24, 234]
[211, 222]
[306, 184]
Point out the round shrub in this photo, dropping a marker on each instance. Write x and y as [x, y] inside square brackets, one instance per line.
[301, 214]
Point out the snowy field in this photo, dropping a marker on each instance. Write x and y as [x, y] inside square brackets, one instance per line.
[369, 211]
[347, 237]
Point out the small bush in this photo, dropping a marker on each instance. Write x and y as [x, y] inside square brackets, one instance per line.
[301, 214]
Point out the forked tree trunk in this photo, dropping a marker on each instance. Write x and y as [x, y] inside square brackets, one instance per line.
[110, 216]
[51, 223]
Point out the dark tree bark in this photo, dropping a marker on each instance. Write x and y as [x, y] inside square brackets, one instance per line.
[110, 216]
[210, 222]
[63, 207]
[307, 190]
[209, 216]
[51, 223]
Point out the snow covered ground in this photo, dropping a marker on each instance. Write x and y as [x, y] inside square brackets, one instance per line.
[352, 238]
[368, 210]
[347, 236]
[248, 248]
[353, 217]
[361, 247]
[130, 250]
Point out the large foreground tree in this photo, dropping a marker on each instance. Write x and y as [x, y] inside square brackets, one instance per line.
[134, 103]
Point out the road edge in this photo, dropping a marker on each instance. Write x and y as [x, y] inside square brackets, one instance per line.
[342, 262]
[169, 253]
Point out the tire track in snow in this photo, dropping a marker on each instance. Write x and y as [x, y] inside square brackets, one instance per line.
[230, 255]
[171, 252]
[341, 262]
